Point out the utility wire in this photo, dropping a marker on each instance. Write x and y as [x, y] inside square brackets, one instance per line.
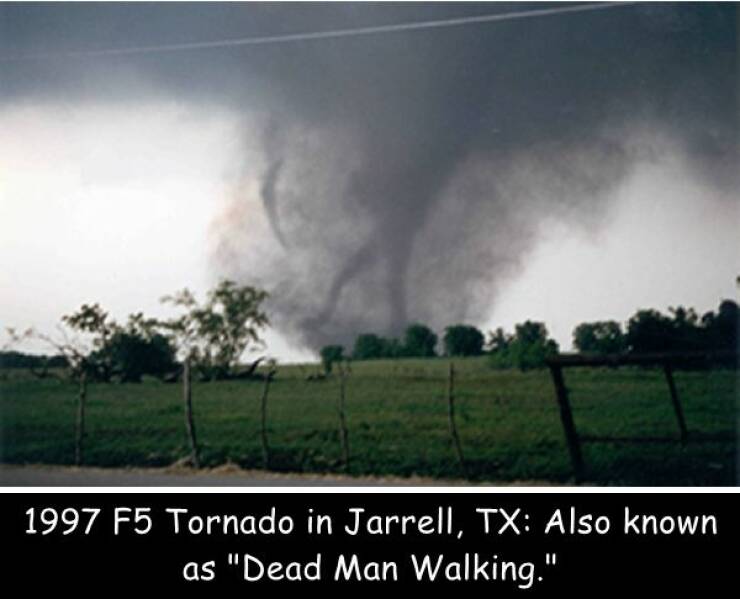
[321, 35]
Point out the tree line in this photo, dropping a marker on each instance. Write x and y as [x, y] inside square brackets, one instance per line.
[214, 335]
[647, 331]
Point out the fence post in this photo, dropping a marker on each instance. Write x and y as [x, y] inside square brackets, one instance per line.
[263, 425]
[676, 403]
[451, 419]
[343, 433]
[566, 417]
[80, 429]
[189, 422]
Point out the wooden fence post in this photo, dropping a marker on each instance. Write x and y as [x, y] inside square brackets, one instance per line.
[263, 420]
[451, 419]
[80, 429]
[343, 433]
[566, 417]
[676, 403]
[189, 422]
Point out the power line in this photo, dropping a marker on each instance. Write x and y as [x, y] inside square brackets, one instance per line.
[321, 35]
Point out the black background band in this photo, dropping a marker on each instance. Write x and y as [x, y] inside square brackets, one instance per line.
[584, 564]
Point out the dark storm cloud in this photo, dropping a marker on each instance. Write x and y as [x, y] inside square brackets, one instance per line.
[405, 175]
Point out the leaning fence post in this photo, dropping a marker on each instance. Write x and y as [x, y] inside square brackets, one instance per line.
[343, 433]
[189, 422]
[80, 429]
[566, 417]
[263, 420]
[676, 403]
[451, 419]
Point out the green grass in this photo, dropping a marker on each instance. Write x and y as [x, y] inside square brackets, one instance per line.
[397, 417]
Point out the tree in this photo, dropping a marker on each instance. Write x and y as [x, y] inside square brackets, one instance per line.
[93, 321]
[391, 348]
[215, 335]
[649, 331]
[498, 340]
[601, 337]
[531, 345]
[139, 349]
[134, 356]
[127, 353]
[683, 330]
[723, 328]
[528, 348]
[463, 340]
[369, 346]
[419, 341]
[329, 355]
[686, 333]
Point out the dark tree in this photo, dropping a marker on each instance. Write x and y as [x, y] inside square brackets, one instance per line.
[140, 349]
[686, 334]
[649, 331]
[134, 356]
[392, 348]
[369, 346]
[723, 328]
[329, 355]
[419, 341]
[463, 340]
[127, 353]
[601, 337]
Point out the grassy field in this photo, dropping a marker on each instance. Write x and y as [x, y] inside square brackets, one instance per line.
[397, 418]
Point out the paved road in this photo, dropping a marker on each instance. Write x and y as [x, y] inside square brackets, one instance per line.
[64, 476]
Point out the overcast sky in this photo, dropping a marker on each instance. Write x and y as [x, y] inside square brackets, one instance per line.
[567, 168]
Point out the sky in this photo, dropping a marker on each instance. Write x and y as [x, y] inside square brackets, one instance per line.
[579, 172]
